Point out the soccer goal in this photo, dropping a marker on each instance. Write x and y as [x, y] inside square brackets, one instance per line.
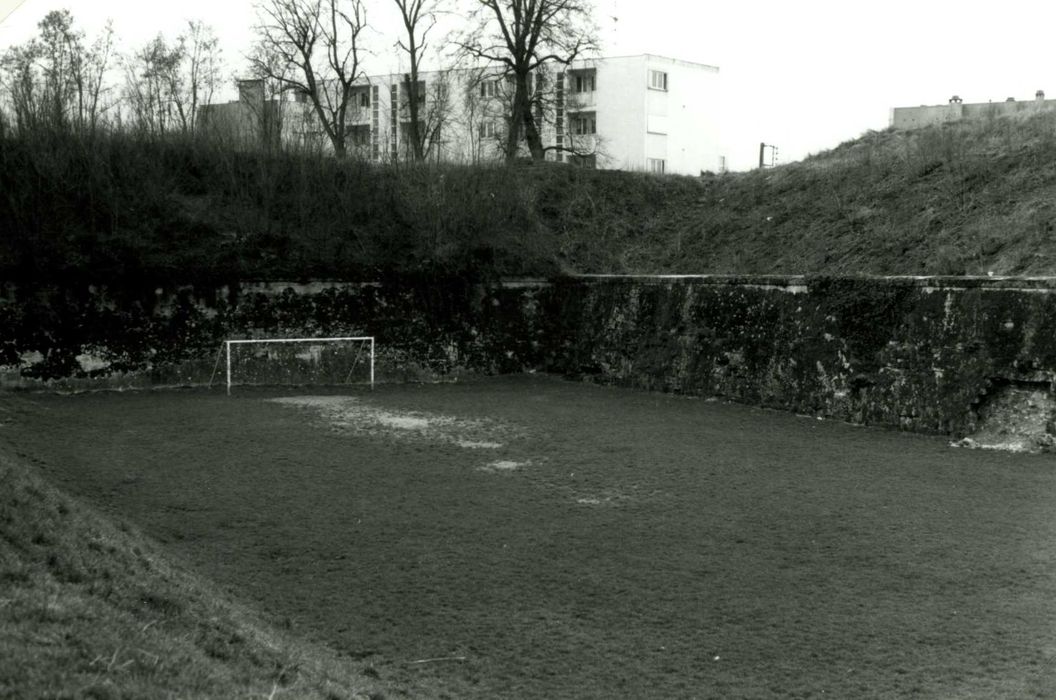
[300, 361]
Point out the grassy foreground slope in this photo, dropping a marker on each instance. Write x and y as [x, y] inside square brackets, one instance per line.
[92, 609]
[967, 198]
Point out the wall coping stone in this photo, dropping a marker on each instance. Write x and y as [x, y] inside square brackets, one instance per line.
[795, 282]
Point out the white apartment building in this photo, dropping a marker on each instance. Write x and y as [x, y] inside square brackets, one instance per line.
[646, 113]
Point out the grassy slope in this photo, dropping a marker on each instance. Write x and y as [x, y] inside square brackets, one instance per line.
[93, 609]
[962, 198]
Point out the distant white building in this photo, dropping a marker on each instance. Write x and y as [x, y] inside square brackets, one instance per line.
[646, 113]
[649, 112]
[956, 110]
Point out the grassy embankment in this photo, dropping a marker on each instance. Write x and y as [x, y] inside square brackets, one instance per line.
[965, 198]
[90, 608]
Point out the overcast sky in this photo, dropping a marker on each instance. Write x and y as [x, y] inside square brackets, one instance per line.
[804, 75]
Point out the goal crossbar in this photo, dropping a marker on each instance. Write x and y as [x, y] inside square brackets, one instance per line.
[364, 338]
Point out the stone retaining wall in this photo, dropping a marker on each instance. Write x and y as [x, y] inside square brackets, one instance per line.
[918, 353]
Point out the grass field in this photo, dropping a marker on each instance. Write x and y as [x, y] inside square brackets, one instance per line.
[532, 538]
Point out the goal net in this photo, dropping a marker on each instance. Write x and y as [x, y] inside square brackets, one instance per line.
[300, 361]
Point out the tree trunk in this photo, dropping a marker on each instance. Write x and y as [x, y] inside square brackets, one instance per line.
[523, 118]
[517, 114]
[411, 90]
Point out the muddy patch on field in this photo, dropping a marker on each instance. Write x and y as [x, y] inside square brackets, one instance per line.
[503, 466]
[348, 414]
[478, 444]
[607, 497]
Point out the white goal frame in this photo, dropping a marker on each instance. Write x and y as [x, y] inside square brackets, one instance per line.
[229, 343]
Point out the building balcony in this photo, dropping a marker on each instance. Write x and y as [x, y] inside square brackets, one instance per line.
[579, 101]
[581, 143]
[358, 115]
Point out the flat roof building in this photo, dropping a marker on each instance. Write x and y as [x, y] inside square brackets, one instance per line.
[956, 109]
[644, 112]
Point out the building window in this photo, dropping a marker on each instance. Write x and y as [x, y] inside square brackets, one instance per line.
[657, 165]
[361, 97]
[493, 88]
[488, 130]
[584, 82]
[584, 124]
[419, 88]
[358, 135]
[657, 80]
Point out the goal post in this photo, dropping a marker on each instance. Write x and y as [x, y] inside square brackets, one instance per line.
[331, 360]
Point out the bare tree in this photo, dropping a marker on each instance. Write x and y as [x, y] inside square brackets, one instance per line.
[55, 78]
[419, 17]
[59, 50]
[262, 100]
[91, 77]
[320, 40]
[433, 115]
[474, 105]
[485, 105]
[524, 36]
[166, 83]
[22, 85]
[152, 81]
[199, 74]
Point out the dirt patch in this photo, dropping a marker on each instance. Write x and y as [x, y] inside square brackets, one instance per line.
[503, 465]
[349, 414]
[607, 497]
[478, 444]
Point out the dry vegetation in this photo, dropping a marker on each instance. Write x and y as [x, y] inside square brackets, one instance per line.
[967, 198]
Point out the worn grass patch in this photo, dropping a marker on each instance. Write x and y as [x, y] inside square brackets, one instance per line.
[651, 546]
[357, 416]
